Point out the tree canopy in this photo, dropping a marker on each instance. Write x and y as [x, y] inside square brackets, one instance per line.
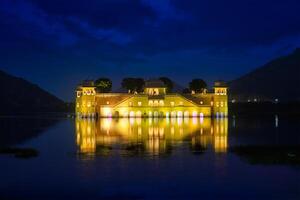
[103, 85]
[168, 82]
[197, 85]
[133, 84]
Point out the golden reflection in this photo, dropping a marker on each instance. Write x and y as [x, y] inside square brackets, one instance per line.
[151, 136]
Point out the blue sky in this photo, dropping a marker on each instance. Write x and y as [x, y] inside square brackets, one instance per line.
[58, 43]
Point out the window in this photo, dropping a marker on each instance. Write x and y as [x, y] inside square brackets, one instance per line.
[201, 102]
[130, 103]
[181, 103]
[150, 103]
[131, 114]
[172, 103]
[107, 102]
[155, 103]
[161, 102]
[139, 103]
[195, 114]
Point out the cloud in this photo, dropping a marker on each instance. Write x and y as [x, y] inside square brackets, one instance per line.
[35, 23]
[112, 35]
[165, 9]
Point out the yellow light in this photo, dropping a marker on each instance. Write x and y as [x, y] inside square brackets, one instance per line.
[131, 114]
[107, 112]
[195, 114]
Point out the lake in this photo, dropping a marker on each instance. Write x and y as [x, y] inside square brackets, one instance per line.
[184, 158]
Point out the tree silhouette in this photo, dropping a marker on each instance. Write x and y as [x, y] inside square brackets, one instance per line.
[133, 84]
[168, 82]
[103, 85]
[197, 85]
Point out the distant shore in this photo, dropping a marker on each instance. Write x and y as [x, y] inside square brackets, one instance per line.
[264, 108]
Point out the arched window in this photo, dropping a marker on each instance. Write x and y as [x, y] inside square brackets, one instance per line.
[186, 114]
[131, 114]
[195, 114]
[150, 103]
[173, 114]
[138, 114]
[161, 102]
[179, 114]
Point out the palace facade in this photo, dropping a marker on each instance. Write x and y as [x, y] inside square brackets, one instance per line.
[153, 102]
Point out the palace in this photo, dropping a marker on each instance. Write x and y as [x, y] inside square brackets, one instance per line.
[153, 102]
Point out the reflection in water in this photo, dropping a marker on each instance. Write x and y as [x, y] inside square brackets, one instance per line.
[16, 130]
[150, 136]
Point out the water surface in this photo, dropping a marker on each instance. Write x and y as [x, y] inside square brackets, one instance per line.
[150, 158]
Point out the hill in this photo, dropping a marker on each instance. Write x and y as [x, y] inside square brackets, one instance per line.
[278, 79]
[19, 96]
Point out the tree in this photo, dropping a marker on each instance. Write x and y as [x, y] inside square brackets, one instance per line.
[133, 84]
[103, 85]
[197, 85]
[168, 82]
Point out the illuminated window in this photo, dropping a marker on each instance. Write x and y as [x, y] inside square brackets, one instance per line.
[130, 103]
[131, 114]
[167, 114]
[107, 102]
[179, 114]
[201, 102]
[155, 103]
[172, 103]
[195, 114]
[150, 103]
[186, 114]
[138, 114]
[221, 103]
[211, 103]
[139, 103]
[161, 102]
[77, 105]
[181, 103]
[173, 114]
[89, 104]
[217, 104]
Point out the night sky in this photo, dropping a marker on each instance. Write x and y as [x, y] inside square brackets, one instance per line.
[58, 43]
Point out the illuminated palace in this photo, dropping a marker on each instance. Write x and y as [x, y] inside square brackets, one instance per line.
[154, 101]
